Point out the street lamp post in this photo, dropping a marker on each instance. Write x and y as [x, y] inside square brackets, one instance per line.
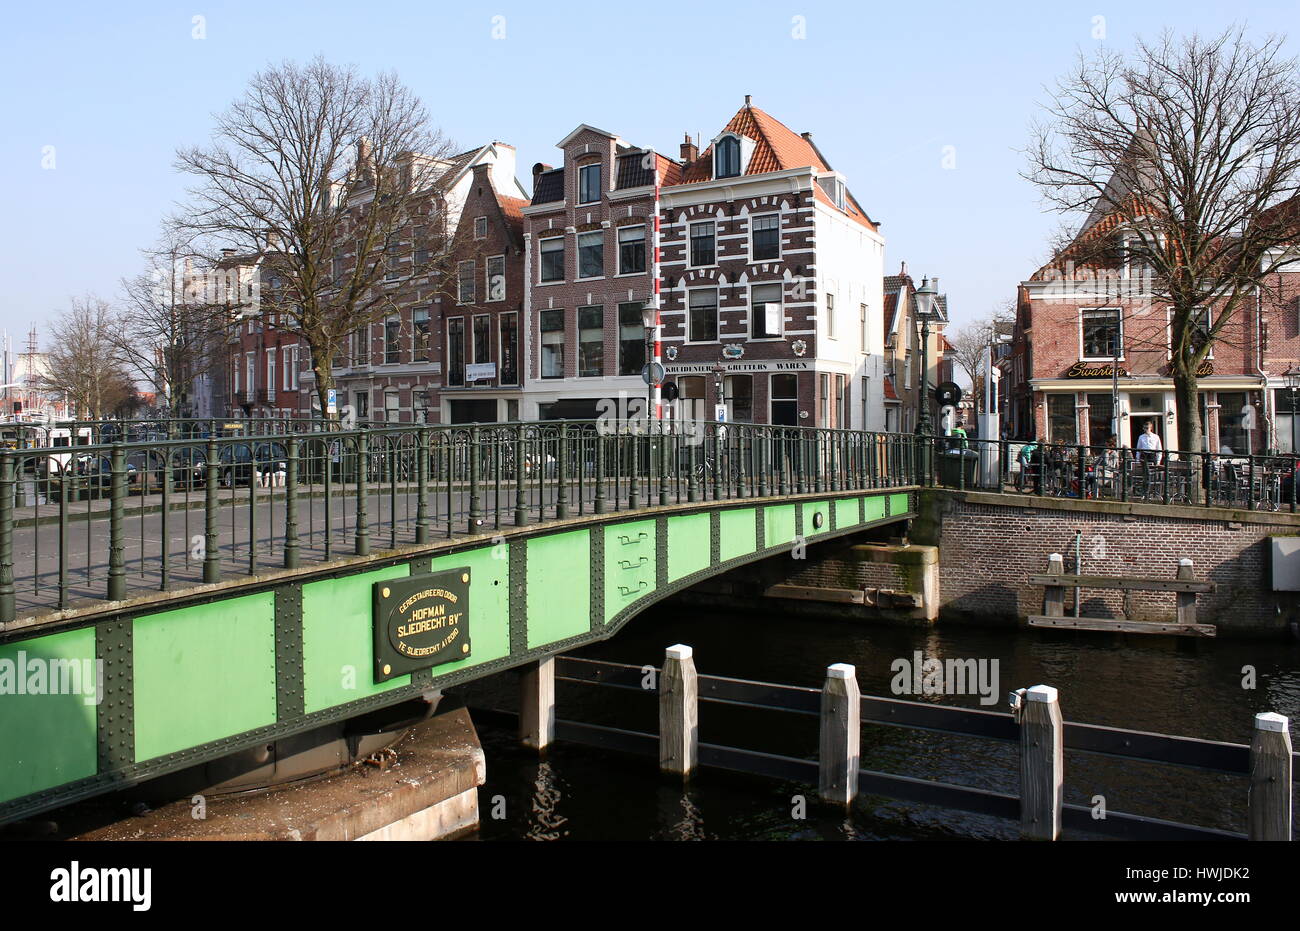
[924, 309]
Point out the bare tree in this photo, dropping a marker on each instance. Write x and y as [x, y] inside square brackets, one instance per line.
[83, 362]
[165, 336]
[969, 340]
[1189, 153]
[330, 177]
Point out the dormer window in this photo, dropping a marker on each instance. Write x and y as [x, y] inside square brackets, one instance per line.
[833, 185]
[726, 158]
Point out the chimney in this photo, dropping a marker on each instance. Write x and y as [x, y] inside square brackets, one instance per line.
[934, 283]
[749, 100]
[227, 253]
[272, 240]
[689, 151]
[807, 137]
[902, 271]
[537, 172]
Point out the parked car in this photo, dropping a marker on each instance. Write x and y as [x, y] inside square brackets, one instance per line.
[242, 462]
[186, 466]
[87, 475]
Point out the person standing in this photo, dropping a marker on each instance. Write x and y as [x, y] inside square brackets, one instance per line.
[1148, 443]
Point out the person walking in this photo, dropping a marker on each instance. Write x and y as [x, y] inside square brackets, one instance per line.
[1148, 443]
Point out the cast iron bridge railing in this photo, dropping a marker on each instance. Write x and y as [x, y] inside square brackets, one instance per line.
[1169, 477]
[86, 522]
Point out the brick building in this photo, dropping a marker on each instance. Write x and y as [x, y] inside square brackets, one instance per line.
[588, 235]
[902, 353]
[482, 321]
[760, 218]
[771, 278]
[391, 371]
[1091, 347]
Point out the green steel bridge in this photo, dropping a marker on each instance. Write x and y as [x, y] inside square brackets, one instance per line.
[172, 602]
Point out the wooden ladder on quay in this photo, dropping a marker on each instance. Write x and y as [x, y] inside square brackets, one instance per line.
[1183, 585]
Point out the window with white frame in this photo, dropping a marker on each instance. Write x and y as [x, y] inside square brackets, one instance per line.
[420, 334]
[270, 374]
[830, 316]
[591, 341]
[509, 340]
[465, 279]
[1102, 332]
[765, 235]
[1199, 330]
[480, 228]
[482, 339]
[765, 311]
[703, 243]
[456, 352]
[392, 341]
[591, 254]
[589, 184]
[419, 250]
[726, 157]
[631, 250]
[496, 278]
[704, 315]
[552, 330]
[290, 368]
[552, 263]
[250, 365]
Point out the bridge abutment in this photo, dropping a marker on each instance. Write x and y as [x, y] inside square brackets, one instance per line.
[425, 788]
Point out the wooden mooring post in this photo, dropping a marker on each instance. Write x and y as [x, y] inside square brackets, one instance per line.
[1270, 778]
[1054, 595]
[679, 725]
[537, 704]
[841, 734]
[1042, 763]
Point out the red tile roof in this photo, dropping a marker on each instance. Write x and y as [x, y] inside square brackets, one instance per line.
[891, 393]
[670, 172]
[776, 148]
[512, 213]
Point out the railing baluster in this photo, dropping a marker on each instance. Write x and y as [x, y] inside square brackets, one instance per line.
[291, 505]
[116, 514]
[362, 536]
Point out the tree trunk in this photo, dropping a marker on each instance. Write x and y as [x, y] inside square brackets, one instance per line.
[323, 367]
[1188, 413]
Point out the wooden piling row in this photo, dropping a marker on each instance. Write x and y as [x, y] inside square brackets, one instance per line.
[1037, 711]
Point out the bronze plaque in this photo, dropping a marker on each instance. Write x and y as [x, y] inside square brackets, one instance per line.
[421, 621]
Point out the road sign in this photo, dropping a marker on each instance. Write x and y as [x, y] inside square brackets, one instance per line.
[652, 373]
[720, 413]
[947, 393]
[331, 401]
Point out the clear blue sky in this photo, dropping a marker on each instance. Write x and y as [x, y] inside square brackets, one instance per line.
[116, 88]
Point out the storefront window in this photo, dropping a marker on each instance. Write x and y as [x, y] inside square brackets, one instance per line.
[1286, 408]
[783, 391]
[1101, 409]
[739, 396]
[1061, 424]
[1233, 436]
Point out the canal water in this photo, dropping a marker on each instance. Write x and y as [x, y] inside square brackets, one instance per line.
[1184, 686]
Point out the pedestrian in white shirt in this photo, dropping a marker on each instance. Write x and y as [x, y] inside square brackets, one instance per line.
[1148, 443]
